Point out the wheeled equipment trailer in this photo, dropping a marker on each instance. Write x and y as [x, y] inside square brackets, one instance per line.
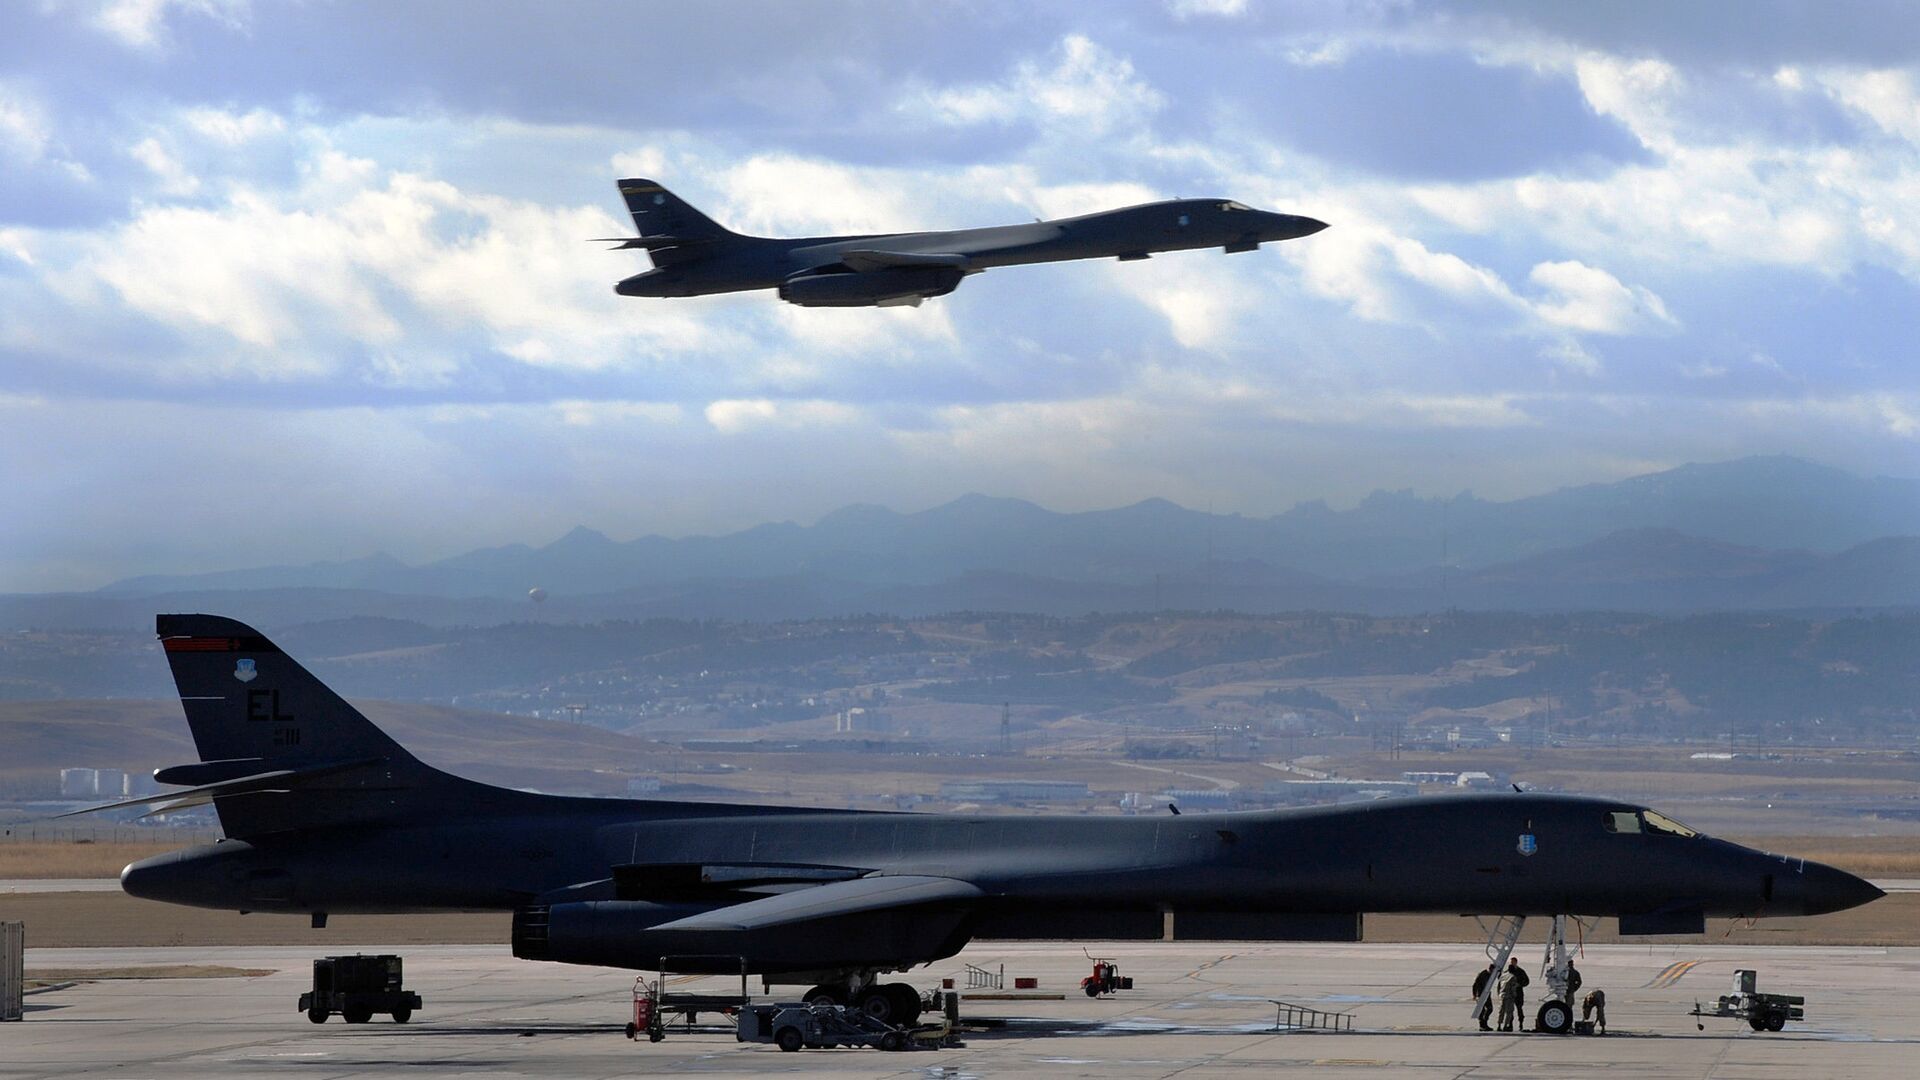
[792, 1025]
[1106, 977]
[652, 1004]
[356, 987]
[1762, 1012]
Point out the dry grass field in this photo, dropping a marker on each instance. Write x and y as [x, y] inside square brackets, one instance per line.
[1868, 856]
[74, 859]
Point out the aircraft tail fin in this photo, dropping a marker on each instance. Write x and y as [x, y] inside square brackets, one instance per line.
[278, 749]
[659, 212]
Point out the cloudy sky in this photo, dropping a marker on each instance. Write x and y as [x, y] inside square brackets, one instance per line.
[287, 281]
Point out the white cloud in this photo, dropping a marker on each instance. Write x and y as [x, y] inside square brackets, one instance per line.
[580, 413]
[1586, 298]
[23, 126]
[1885, 96]
[14, 242]
[141, 24]
[231, 128]
[1223, 9]
[1087, 87]
[174, 178]
[736, 416]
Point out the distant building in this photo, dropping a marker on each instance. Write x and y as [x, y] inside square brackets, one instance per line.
[643, 785]
[1014, 791]
[79, 783]
[1218, 798]
[858, 719]
[1430, 777]
[1297, 792]
[1476, 780]
[111, 783]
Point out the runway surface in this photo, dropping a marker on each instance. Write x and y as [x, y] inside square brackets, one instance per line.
[1201, 1010]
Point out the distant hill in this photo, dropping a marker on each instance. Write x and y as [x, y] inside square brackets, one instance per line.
[1754, 532]
[38, 738]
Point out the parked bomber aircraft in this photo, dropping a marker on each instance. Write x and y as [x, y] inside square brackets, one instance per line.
[694, 256]
[323, 812]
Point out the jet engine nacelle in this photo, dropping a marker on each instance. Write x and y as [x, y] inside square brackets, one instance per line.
[870, 288]
[623, 933]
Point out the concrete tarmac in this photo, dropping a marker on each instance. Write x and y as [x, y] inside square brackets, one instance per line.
[1200, 1010]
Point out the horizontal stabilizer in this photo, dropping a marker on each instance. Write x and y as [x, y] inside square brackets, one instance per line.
[868, 261]
[277, 780]
[624, 243]
[838, 899]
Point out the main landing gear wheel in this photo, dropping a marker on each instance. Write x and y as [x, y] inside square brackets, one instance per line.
[1554, 1018]
[893, 1003]
[825, 994]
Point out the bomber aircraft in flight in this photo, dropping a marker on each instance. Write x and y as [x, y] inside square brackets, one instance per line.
[695, 256]
[323, 812]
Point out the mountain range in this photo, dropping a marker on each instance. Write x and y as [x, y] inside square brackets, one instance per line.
[1764, 532]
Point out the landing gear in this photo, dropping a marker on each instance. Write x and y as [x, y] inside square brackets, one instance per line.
[895, 1003]
[1555, 1015]
[1554, 1018]
[826, 994]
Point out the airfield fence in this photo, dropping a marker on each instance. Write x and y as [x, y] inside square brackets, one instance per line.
[52, 833]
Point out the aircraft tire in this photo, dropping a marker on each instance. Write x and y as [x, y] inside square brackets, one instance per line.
[879, 1003]
[906, 1003]
[1554, 1018]
[787, 1039]
[825, 994]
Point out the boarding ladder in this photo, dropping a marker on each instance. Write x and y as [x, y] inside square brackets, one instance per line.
[1293, 1017]
[979, 978]
[1500, 942]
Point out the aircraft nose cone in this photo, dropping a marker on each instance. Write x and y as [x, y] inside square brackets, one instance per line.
[1293, 226]
[1309, 226]
[1827, 889]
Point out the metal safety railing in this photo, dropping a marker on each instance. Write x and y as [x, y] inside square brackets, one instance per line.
[979, 978]
[1291, 1017]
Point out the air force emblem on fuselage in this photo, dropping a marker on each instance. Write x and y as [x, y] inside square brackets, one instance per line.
[1528, 845]
[244, 671]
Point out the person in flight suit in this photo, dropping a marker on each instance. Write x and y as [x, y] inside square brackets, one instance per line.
[1513, 996]
[1480, 987]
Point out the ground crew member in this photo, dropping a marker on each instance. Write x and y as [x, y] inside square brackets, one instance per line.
[1513, 997]
[1594, 1007]
[1480, 988]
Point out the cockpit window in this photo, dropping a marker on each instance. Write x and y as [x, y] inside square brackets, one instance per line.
[1234, 206]
[1648, 821]
[1660, 823]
